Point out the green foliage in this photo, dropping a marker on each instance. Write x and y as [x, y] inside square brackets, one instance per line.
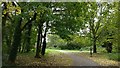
[75, 42]
[55, 40]
[67, 21]
[78, 42]
[73, 46]
[114, 56]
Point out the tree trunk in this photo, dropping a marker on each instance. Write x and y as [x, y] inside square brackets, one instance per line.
[4, 24]
[16, 41]
[44, 41]
[44, 45]
[94, 45]
[28, 37]
[40, 38]
[8, 42]
[28, 25]
[38, 42]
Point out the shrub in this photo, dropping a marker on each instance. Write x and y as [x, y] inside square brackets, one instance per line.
[71, 46]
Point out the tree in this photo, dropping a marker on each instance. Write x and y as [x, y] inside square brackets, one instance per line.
[39, 41]
[7, 21]
[16, 41]
[17, 36]
[97, 23]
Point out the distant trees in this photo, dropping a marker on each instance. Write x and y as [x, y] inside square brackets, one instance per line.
[54, 41]
[75, 42]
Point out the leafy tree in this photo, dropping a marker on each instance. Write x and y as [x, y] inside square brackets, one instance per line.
[17, 36]
[16, 41]
[99, 17]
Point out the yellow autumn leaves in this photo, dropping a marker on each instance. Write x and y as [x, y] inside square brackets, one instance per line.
[12, 9]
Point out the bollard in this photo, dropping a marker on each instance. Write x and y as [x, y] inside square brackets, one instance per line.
[90, 51]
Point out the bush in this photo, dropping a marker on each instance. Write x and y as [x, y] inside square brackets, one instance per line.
[85, 49]
[71, 46]
[63, 47]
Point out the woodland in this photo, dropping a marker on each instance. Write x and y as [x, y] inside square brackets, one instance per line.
[34, 27]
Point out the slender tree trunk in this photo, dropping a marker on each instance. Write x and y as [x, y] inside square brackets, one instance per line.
[44, 41]
[44, 44]
[8, 42]
[16, 41]
[40, 38]
[28, 37]
[94, 45]
[28, 25]
[4, 23]
[38, 43]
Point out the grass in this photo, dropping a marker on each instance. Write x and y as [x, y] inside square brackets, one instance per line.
[72, 50]
[51, 58]
[59, 58]
[114, 56]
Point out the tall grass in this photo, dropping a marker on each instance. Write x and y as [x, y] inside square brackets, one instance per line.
[114, 56]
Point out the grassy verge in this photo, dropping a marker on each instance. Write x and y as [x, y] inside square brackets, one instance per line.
[58, 58]
[51, 58]
[72, 51]
[101, 58]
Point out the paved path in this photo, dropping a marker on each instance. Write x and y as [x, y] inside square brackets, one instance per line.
[79, 60]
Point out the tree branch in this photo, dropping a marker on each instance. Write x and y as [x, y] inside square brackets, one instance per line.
[30, 21]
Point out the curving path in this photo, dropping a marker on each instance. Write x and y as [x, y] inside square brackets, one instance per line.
[79, 60]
